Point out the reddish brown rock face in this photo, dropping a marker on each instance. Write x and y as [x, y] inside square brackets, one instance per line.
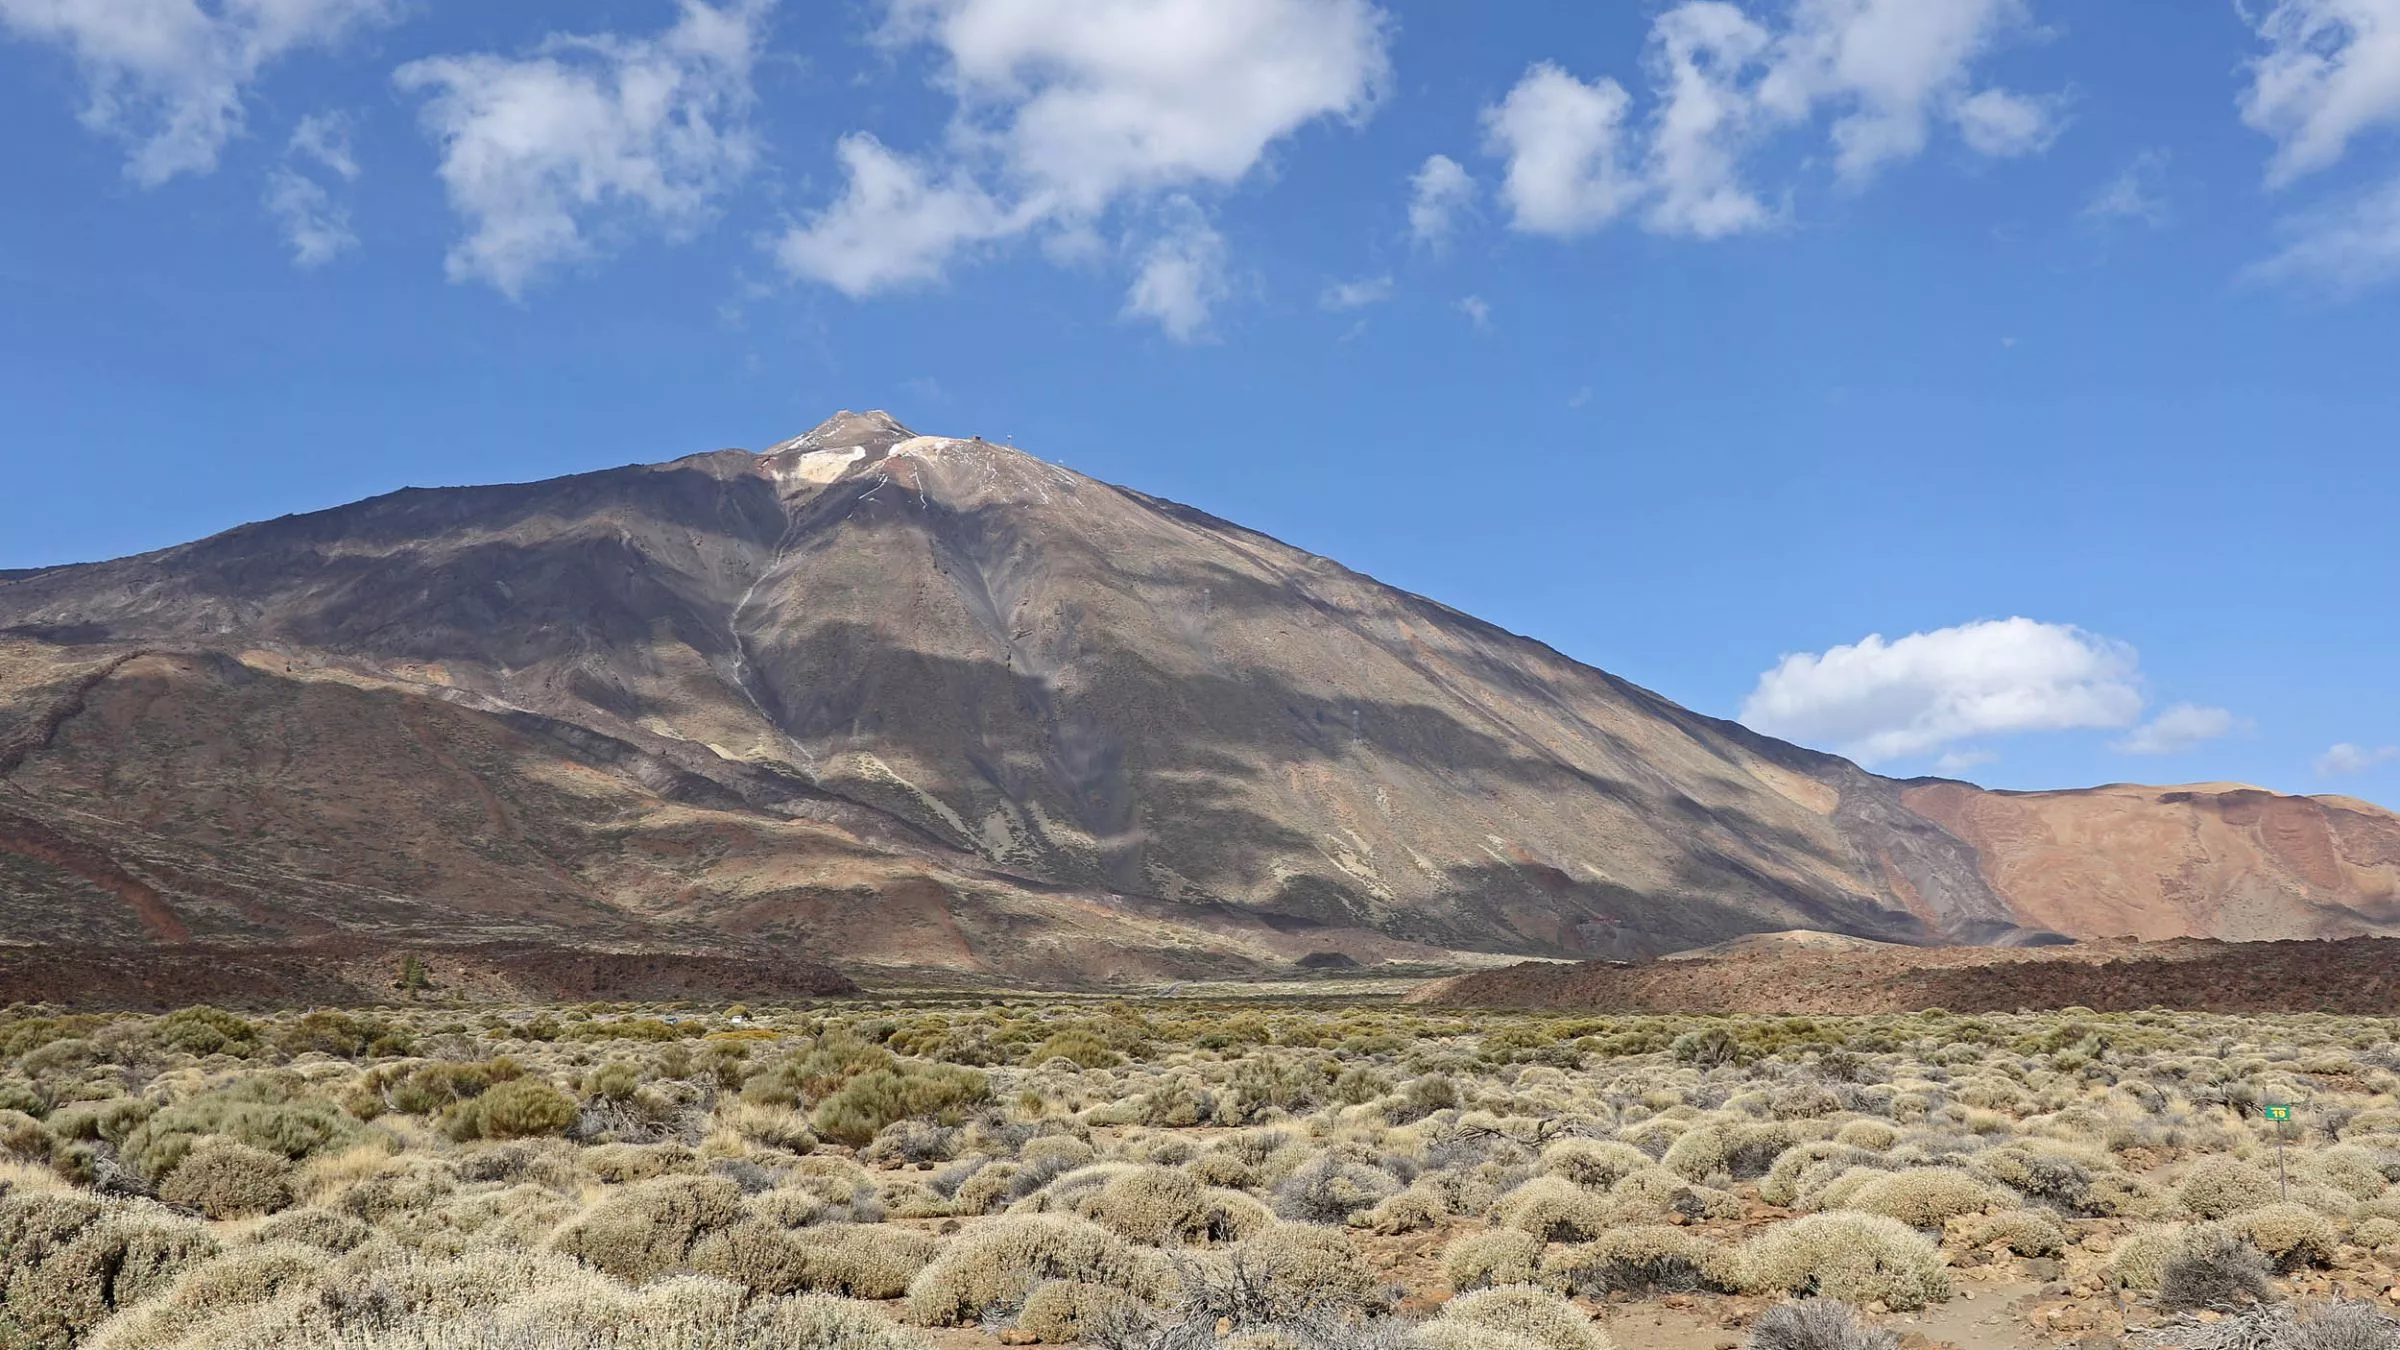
[907, 702]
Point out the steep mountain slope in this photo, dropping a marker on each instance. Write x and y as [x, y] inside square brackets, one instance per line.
[909, 701]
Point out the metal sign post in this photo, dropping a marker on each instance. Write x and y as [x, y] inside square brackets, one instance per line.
[2277, 1113]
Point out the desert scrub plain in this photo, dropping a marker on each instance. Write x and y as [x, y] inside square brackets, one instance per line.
[1172, 1175]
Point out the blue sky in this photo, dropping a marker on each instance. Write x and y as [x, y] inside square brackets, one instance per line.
[2002, 388]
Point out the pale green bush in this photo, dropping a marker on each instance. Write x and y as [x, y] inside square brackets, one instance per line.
[2215, 1187]
[997, 1264]
[1642, 1260]
[226, 1180]
[649, 1228]
[1862, 1258]
[1922, 1197]
[1531, 1316]
[1493, 1256]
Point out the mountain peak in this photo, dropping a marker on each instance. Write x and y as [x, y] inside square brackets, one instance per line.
[873, 431]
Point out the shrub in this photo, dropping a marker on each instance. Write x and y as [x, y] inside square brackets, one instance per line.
[522, 1108]
[227, 1180]
[1491, 1257]
[1419, 1207]
[997, 1265]
[1536, 1317]
[1293, 1270]
[320, 1228]
[22, 1137]
[1331, 1189]
[1923, 1197]
[1596, 1164]
[2291, 1236]
[650, 1227]
[863, 1106]
[1552, 1210]
[1862, 1258]
[1872, 1135]
[1085, 1049]
[1641, 1260]
[1817, 1324]
[207, 1031]
[1155, 1205]
[262, 1113]
[2216, 1187]
[67, 1262]
[2212, 1268]
[2028, 1232]
[2140, 1261]
[1059, 1311]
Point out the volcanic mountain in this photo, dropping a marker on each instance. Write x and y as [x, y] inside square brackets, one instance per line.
[912, 703]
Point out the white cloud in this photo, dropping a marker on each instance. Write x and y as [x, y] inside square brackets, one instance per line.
[2135, 194]
[1885, 72]
[2330, 72]
[317, 229]
[170, 76]
[895, 227]
[1440, 191]
[1066, 110]
[1182, 275]
[2184, 727]
[2345, 759]
[325, 138]
[1478, 311]
[590, 134]
[1349, 295]
[2343, 248]
[1564, 141]
[1876, 700]
[2001, 125]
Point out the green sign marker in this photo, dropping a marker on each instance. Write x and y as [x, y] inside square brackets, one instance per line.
[2279, 1111]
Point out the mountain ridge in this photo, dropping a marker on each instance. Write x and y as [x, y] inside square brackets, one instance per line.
[926, 703]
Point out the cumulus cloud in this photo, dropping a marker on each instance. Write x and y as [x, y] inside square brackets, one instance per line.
[897, 226]
[1349, 295]
[1882, 74]
[1067, 110]
[2342, 248]
[2345, 759]
[1478, 311]
[1440, 191]
[590, 135]
[2331, 71]
[1182, 275]
[325, 139]
[2184, 727]
[2137, 194]
[1877, 700]
[170, 77]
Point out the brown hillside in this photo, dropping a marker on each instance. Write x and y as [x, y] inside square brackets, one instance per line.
[910, 703]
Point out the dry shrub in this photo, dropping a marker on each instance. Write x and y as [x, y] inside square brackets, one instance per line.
[2292, 1236]
[1491, 1257]
[1923, 1197]
[2216, 1187]
[522, 1108]
[649, 1228]
[2212, 1268]
[323, 1229]
[995, 1266]
[1300, 1268]
[1217, 1168]
[235, 1280]
[2140, 1261]
[1863, 1258]
[1555, 1210]
[68, 1261]
[1643, 1261]
[226, 1180]
[1331, 1189]
[1817, 1324]
[398, 1187]
[984, 1190]
[266, 1113]
[1596, 1164]
[1153, 1205]
[1060, 1311]
[22, 1137]
[1872, 1135]
[865, 1105]
[2354, 1171]
[2028, 1232]
[2377, 1234]
[1412, 1210]
[772, 1127]
[1697, 1154]
[1521, 1313]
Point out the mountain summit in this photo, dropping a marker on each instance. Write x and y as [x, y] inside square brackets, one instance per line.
[910, 702]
